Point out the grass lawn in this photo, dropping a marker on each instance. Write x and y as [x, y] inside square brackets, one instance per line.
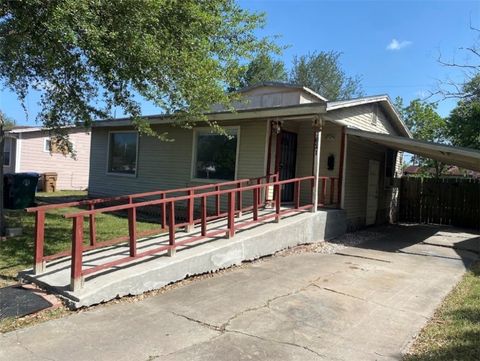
[454, 332]
[16, 253]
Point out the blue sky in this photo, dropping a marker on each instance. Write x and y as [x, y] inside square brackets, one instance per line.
[417, 32]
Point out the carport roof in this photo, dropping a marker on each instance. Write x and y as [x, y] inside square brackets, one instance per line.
[462, 157]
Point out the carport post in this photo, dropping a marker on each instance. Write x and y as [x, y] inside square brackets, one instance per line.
[317, 128]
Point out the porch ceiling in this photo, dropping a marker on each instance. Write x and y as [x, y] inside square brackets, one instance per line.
[462, 157]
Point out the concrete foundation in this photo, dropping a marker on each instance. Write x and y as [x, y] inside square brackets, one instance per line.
[209, 255]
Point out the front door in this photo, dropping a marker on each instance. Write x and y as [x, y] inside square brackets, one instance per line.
[288, 160]
[372, 191]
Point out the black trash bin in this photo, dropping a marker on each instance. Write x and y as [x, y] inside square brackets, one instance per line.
[19, 190]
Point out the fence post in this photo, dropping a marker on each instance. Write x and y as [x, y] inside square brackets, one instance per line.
[171, 229]
[231, 215]
[39, 263]
[258, 198]
[217, 201]
[240, 200]
[164, 212]
[332, 189]
[296, 193]
[323, 195]
[203, 206]
[76, 280]
[92, 226]
[132, 231]
[255, 203]
[278, 202]
[190, 209]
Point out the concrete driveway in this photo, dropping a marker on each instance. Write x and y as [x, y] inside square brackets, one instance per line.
[362, 303]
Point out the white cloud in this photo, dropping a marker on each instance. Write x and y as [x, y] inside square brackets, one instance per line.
[397, 45]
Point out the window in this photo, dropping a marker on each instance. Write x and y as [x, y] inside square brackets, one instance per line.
[390, 160]
[7, 150]
[215, 155]
[47, 145]
[122, 153]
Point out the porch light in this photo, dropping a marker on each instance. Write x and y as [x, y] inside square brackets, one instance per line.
[277, 126]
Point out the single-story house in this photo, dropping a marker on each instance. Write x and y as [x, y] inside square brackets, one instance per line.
[30, 149]
[354, 145]
[275, 129]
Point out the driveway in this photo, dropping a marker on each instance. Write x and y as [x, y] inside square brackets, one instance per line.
[362, 303]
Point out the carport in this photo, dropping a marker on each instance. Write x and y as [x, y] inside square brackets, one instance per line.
[462, 157]
[450, 201]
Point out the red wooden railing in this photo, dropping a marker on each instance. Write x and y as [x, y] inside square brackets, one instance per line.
[41, 211]
[167, 201]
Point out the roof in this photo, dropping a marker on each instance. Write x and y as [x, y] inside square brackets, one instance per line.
[283, 85]
[306, 109]
[462, 157]
[382, 98]
[31, 129]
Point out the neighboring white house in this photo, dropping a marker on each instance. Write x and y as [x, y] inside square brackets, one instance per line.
[29, 149]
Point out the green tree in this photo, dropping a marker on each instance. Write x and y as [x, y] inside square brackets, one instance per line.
[322, 72]
[463, 123]
[425, 123]
[262, 69]
[90, 56]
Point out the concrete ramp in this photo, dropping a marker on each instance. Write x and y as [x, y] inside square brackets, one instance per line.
[204, 256]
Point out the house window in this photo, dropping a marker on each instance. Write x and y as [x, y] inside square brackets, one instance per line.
[122, 153]
[52, 145]
[47, 145]
[7, 150]
[215, 154]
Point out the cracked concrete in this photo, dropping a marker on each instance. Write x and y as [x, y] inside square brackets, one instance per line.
[365, 303]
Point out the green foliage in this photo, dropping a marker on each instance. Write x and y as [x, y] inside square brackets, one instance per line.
[425, 124]
[6, 121]
[262, 69]
[463, 124]
[90, 56]
[322, 72]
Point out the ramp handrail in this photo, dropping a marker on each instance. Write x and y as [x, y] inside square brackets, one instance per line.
[235, 207]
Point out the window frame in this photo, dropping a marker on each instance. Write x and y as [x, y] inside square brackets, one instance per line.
[45, 140]
[129, 175]
[9, 152]
[193, 178]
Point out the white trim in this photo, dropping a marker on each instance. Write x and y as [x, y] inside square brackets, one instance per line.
[18, 153]
[194, 156]
[344, 173]
[316, 168]
[128, 175]
[9, 152]
[45, 150]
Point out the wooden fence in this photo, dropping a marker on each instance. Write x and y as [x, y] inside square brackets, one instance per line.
[452, 201]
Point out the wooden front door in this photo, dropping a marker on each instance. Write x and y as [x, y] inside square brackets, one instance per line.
[288, 162]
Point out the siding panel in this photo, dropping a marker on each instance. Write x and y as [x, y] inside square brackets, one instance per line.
[168, 165]
[72, 173]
